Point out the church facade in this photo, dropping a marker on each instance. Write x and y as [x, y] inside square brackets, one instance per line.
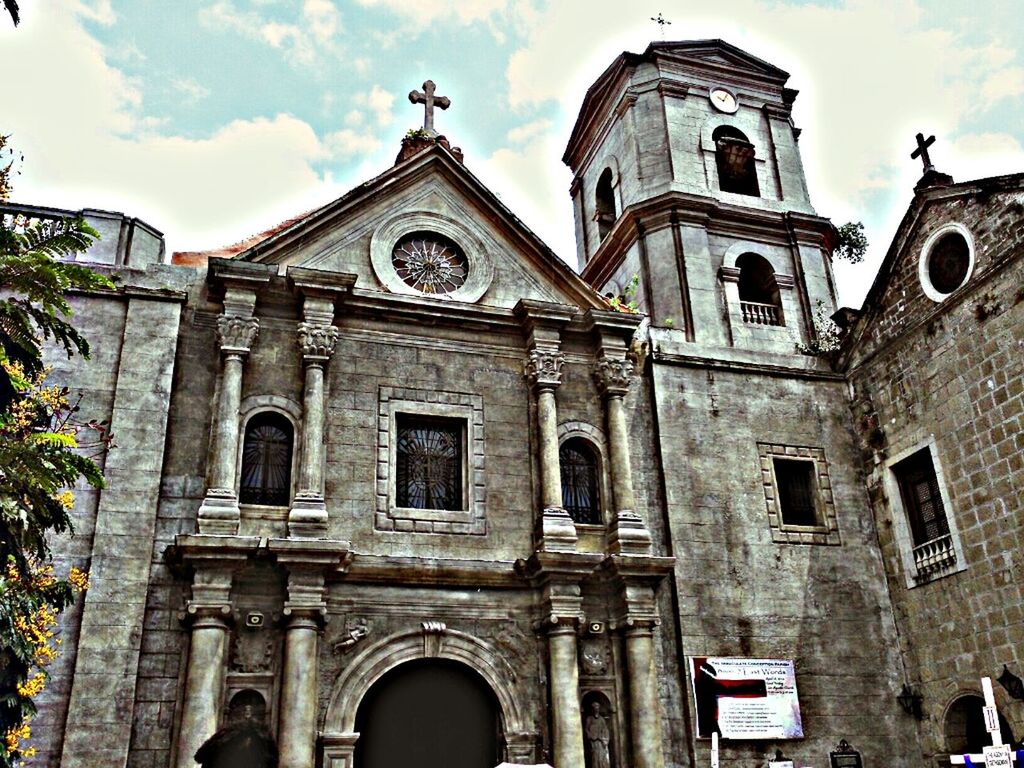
[397, 483]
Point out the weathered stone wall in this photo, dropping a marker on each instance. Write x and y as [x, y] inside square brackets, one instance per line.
[741, 593]
[953, 374]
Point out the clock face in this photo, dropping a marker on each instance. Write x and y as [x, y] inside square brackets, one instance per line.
[723, 100]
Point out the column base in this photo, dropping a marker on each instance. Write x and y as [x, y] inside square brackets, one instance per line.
[307, 519]
[521, 748]
[339, 749]
[557, 531]
[219, 514]
[629, 535]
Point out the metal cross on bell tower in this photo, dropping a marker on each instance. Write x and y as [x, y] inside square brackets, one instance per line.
[427, 98]
[661, 21]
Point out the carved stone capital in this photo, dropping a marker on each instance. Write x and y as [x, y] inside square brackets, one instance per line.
[199, 615]
[613, 377]
[544, 368]
[317, 341]
[304, 616]
[235, 333]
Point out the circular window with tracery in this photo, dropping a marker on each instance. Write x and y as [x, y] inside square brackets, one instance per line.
[430, 263]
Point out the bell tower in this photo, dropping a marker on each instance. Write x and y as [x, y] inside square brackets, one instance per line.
[687, 174]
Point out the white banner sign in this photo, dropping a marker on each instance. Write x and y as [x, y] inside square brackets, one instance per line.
[745, 698]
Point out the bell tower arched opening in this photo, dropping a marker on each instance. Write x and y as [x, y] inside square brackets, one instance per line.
[734, 157]
[432, 713]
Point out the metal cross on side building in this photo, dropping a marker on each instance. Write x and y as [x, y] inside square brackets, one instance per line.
[922, 151]
[427, 98]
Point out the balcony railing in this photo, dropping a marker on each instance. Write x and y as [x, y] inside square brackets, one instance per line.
[760, 314]
[934, 556]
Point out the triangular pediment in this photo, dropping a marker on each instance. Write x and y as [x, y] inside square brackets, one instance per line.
[718, 53]
[497, 260]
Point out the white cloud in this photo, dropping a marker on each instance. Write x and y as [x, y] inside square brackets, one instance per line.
[348, 143]
[424, 12]
[523, 133]
[314, 32]
[535, 188]
[202, 192]
[1005, 83]
[380, 103]
[191, 89]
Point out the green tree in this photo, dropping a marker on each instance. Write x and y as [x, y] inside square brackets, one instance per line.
[12, 8]
[45, 449]
[852, 244]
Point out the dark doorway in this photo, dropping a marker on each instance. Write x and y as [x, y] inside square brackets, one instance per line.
[430, 713]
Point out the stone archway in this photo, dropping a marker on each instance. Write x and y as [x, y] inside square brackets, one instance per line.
[431, 641]
[430, 713]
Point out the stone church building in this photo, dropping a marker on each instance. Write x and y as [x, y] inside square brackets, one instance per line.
[397, 483]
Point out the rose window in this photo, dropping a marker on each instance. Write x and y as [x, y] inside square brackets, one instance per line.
[430, 263]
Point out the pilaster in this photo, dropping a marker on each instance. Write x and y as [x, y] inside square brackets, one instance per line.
[237, 330]
[613, 374]
[317, 336]
[542, 323]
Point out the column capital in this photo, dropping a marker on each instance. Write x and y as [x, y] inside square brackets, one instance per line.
[543, 368]
[304, 616]
[236, 333]
[199, 615]
[317, 341]
[613, 376]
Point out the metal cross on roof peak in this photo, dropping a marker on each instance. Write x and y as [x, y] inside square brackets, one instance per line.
[922, 151]
[661, 21]
[429, 101]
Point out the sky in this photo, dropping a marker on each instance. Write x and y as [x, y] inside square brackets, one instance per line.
[215, 119]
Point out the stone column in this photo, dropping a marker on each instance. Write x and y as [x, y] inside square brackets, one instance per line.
[236, 331]
[305, 613]
[544, 372]
[566, 718]
[644, 705]
[209, 615]
[317, 338]
[629, 534]
[563, 606]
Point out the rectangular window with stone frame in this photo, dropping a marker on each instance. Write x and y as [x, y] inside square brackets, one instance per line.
[923, 523]
[430, 462]
[798, 494]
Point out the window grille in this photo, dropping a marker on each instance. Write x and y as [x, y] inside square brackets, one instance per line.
[919, 489]
[797, 491]
[429, 464]
[579, 481]
[267, 460]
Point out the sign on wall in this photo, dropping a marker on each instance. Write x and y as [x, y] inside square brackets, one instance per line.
[745, 698]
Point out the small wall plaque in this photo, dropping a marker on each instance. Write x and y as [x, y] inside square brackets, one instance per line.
[845, 756]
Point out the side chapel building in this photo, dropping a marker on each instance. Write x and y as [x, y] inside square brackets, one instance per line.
[395, 453]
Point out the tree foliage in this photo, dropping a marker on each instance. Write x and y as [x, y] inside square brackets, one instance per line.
[12, 8]
[853, 243]
[46, 449]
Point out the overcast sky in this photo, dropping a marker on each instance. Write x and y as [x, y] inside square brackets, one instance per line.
[214, 119]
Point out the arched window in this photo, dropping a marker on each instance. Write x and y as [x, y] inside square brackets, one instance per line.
[734, 156]
[760, 302]
[267, 460]
[579, 481]
[605, 200]
[247, 705]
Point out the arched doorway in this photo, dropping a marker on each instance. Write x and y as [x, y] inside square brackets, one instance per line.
[429, 713]
[965, 726]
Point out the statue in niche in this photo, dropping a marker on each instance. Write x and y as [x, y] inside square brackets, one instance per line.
[245, 741]
[598, 735]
